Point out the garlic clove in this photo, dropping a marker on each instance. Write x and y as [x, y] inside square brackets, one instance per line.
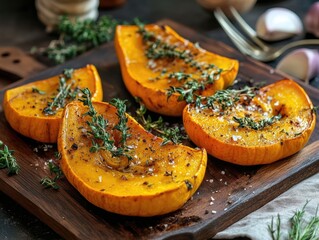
[302, 63]
[311, 19]
[278, 24]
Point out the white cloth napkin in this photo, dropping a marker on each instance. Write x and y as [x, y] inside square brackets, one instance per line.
[255, 225]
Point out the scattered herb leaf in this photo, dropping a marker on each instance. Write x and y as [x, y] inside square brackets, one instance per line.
[169, 133]
[48, 182]
[189, 185]
[36, 90]
[7, 160]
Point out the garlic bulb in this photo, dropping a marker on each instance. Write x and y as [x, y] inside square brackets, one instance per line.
[312, 19]
[277, 24]
[240, 5]
[302, 63]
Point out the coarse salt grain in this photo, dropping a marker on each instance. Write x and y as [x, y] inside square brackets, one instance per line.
[236, 138]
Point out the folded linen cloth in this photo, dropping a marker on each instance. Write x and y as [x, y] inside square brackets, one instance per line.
[255, 225]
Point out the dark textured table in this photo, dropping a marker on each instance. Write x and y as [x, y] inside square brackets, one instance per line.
[21, 28]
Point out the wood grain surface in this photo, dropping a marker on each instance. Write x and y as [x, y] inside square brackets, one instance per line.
[235, 191]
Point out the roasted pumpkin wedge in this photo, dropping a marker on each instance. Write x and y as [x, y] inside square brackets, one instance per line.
[165, 70]
[35, 109]
[157, 179]
[252, 127]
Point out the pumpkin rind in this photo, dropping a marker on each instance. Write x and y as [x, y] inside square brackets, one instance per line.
[223, 139]
[23, 107]
[137, 75]
[159, 179]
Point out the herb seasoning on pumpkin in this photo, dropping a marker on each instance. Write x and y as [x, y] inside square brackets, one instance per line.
[98, 128]
[142, 186]
[35, 109]
[37, 90]
[65, 93]
[202, 73]
[170, 133]
[167, 71]
[252, 126]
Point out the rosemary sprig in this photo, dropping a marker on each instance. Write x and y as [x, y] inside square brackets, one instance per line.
[101, 138]
[248, 122]
[48, 182]
[275, 229]
[174, 133]
[76, 37]
[65, 92]
[7, 160]
[299, 229]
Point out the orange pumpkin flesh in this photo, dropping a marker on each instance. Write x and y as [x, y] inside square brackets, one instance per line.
[159, 179]
[222, 137]
[139, 72]
[23, 107]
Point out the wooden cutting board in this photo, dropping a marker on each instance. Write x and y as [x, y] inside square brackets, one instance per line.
[227, 194]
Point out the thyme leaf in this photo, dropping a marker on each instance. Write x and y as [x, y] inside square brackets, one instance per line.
[248, 122]
[64, 93]
[7, 160]
[101, 138]
[48, 182]
[169, 133]
[37, 90]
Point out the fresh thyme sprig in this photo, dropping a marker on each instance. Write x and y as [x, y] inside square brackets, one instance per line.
[169, 133]
[121, 114]
[76, 37]
[299, 229]
[48, 182]
[206, 73]
[315, 109]
[189, 89]
[248, 122]
[7, 160]
[101, 138]
[65, 92]
[224, 99]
